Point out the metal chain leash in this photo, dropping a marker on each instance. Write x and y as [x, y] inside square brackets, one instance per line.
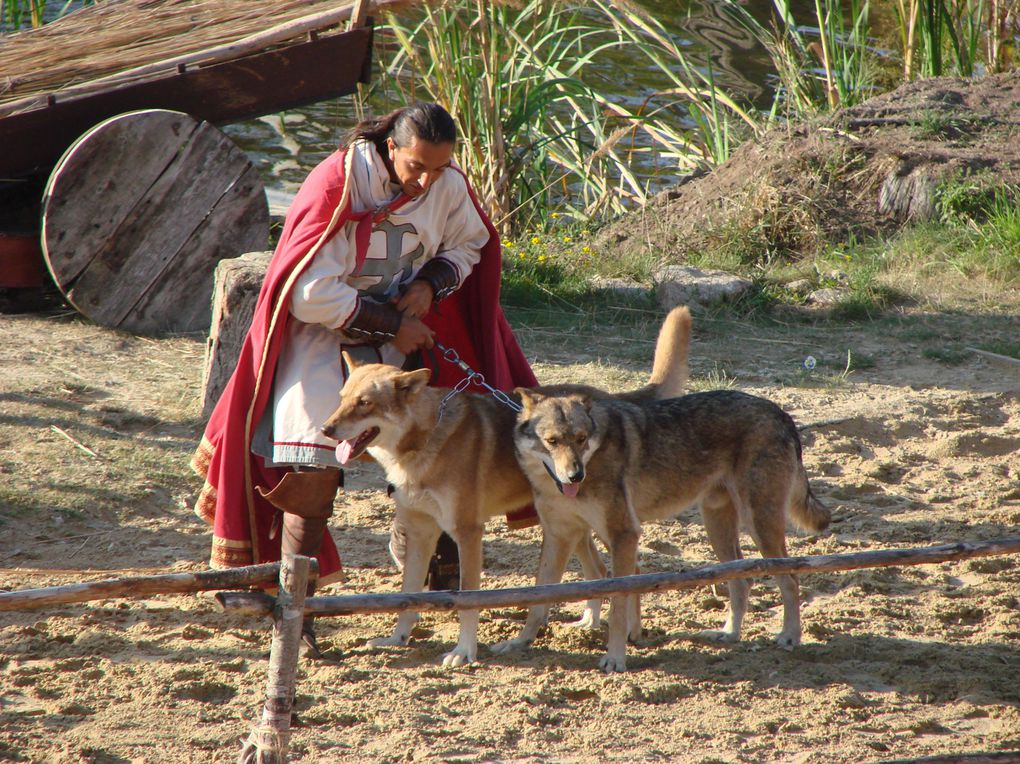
[450, 355]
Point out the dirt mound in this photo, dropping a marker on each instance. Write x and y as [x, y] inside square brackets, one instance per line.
[862, 171]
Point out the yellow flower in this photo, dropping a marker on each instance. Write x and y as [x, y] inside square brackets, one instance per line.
[535, 240]
[541, 258]
[554, 215]
[522, 256]
[586, 233]
[567, 240]
[586, 249]
[508, 244]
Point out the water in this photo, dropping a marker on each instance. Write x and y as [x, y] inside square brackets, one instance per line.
[286, 146]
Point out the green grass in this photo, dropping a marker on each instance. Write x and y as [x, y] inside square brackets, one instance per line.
[969, 258]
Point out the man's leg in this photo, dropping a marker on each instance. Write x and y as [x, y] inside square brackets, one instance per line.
[306, 500]
[444, 568]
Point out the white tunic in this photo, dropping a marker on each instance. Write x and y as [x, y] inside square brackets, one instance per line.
[442, 222]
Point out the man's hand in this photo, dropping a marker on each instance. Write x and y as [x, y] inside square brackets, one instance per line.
[416, 301]
[413, 335]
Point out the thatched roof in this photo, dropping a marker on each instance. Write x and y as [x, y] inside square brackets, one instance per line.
[118, 35]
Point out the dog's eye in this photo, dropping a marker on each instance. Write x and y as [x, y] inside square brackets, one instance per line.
[364, 403]
[552, 442]
[581, 439]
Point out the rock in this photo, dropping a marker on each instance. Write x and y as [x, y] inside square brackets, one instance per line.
[687, 285]
[622, 287]
[830, 296]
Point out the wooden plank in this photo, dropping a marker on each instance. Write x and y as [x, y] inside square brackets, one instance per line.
[241, 209]
[99, 192]
[140, 211]
[327, 67]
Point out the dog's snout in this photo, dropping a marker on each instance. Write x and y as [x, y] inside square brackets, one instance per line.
[577, 475]
[329, 430]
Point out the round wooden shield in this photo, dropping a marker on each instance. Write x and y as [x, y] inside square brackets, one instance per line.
[139, 211]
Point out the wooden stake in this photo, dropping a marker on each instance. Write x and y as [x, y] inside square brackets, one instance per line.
[268, 742]
[647, 582]
[359, 13]
[140, 586]
[1002, 360]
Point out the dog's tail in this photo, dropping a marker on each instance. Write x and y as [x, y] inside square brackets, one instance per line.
[805, 510]
[669, 368]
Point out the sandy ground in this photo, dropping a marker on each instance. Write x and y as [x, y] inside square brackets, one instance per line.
[912, 449]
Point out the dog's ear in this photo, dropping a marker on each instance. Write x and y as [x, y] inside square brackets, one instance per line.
[412, 381]
[583, 400]
[528, 399]
[351, 362]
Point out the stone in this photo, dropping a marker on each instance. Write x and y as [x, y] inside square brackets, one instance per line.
[622, 287]
[687, 285]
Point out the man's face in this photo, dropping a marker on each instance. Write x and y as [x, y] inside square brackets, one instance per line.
[419, 164]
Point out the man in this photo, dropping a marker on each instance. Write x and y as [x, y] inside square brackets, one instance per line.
[384, 248]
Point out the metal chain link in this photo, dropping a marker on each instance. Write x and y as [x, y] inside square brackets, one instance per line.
[450, 355]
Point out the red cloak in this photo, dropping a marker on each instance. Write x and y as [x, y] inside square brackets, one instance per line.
[470, 321]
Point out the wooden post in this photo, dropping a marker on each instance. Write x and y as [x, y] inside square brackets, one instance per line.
[359, 13]
[269, 741]
[236, 285]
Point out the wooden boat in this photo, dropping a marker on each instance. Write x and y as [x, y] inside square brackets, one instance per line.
[124, 251]
[295, 63]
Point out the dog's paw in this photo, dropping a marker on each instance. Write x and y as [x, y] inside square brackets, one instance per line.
[510, 645]
[393, 640]
[612, 664]
[458, 657]
[787, 641]
[590, 620]
[718, 635]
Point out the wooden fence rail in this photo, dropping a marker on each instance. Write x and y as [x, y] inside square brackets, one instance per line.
[261, 604]
[142, 586]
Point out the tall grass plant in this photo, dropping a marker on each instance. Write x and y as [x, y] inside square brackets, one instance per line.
[819, 67]
[535, 130]
[20, 14]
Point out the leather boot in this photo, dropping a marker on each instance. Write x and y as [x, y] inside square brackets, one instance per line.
[444, 568]
[306, 500]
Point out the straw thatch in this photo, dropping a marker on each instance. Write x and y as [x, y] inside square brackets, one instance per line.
[110, 37]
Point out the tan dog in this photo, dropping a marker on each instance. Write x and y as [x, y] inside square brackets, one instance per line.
[611, 465]
[451, 461]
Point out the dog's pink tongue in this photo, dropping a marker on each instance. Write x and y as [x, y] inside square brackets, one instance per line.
[343, 451]
[570, 489]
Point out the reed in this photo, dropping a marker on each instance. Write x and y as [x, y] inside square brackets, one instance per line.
[940, 37]
[18, 14]
[537, 135]
[821, 69]
[540, 134]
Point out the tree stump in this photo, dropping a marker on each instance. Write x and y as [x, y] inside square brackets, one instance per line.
[139, 211]
[236, 286]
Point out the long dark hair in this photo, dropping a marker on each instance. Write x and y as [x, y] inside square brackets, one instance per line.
[421, 119]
